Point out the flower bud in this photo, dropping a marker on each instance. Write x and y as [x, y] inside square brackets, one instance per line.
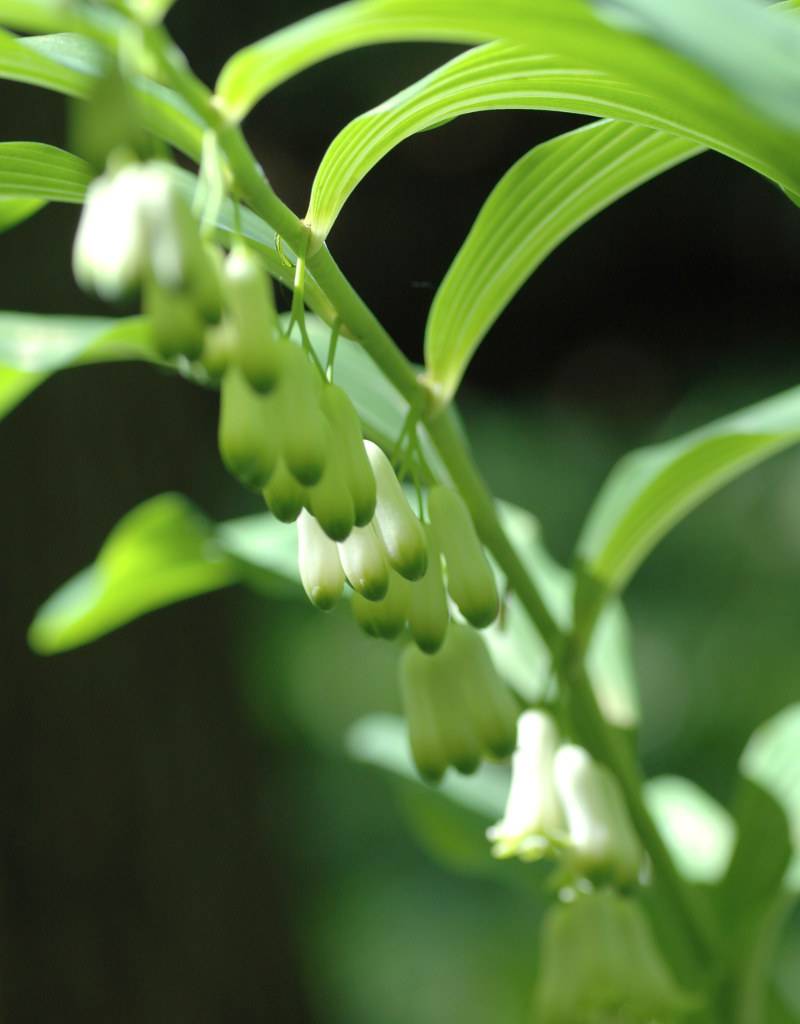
[363, 559]
[172, 238]
[386, 617]
[532, 818]
[329, 501]
[207, 263]
[401, 530]
[462, 685]
[283, 495]
[427, 748]
[219, 347]
[321, 572]
[470, 580]
[440, 730]
[346, 430]
[483, 693]
[248, 433]
[599, 961]
[602, 842]
[249, 298]
[177, 327]
[428, 614]
[305, 431]
[109, 247]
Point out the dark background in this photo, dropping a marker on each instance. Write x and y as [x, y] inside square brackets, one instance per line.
[179, 836]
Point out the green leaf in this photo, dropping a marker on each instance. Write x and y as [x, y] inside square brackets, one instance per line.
[756, 55]
[571, 30]
[650, 490]
[492, 77]
[522, 657]
[37, 171]
[73, 65]
[540, 201]
[162, 551]
[771, 761]
[40, 15]
[15, 211]
[32, 347]
[699, 832]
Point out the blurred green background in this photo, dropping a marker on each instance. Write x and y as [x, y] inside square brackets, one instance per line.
[183, 836]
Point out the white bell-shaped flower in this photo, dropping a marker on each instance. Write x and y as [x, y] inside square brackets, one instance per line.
[533, 822]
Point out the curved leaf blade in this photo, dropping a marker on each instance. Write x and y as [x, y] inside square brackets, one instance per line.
[38, 171]
[540, 201]
[15, 211]
[72, 65]
[652, 489]
[161, 552]
[32, 347]
[568, 28]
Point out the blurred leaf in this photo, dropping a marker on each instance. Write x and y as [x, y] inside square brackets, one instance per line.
[21, 63]
[37, 171]
[771, 760]
[522, 657]
[545, 197]
[382, 740]
[699, 832]
[752, 904]
[72, 64]
[15, 211]
[161, 552]
[38, 15]
[650, 490]
[571, 30]
[758, 56]
[493, 77]
[263, 544]
[32, 347]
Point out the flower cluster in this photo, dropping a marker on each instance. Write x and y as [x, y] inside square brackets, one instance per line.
[457, 706]
[137, 232]
[599, 961]
[563, 803]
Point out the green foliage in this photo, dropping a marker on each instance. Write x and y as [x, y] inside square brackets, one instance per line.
[162, 551]
[34, 347]
[671, 79]
[545, 196]
[653, 489]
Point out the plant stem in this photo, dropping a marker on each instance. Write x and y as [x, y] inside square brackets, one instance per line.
[443, 429]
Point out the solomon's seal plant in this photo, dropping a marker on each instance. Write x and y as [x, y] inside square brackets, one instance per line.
[359, 455]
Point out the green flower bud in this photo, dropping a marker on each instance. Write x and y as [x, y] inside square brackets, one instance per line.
[305, 430]
[329, 501]
[533, 820]
[599, 961]
[206, 269]
[402, 532]
[321, 571]
[248, 433]
[284, 496]
[470, 580]
[249, 298]
[363, 558]
[427, 748]
[428, 614]
[109, 248]
[177, 327]
[346, 429]
[219, 348]
[385, 618]
[434, 682]
[602, 842]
